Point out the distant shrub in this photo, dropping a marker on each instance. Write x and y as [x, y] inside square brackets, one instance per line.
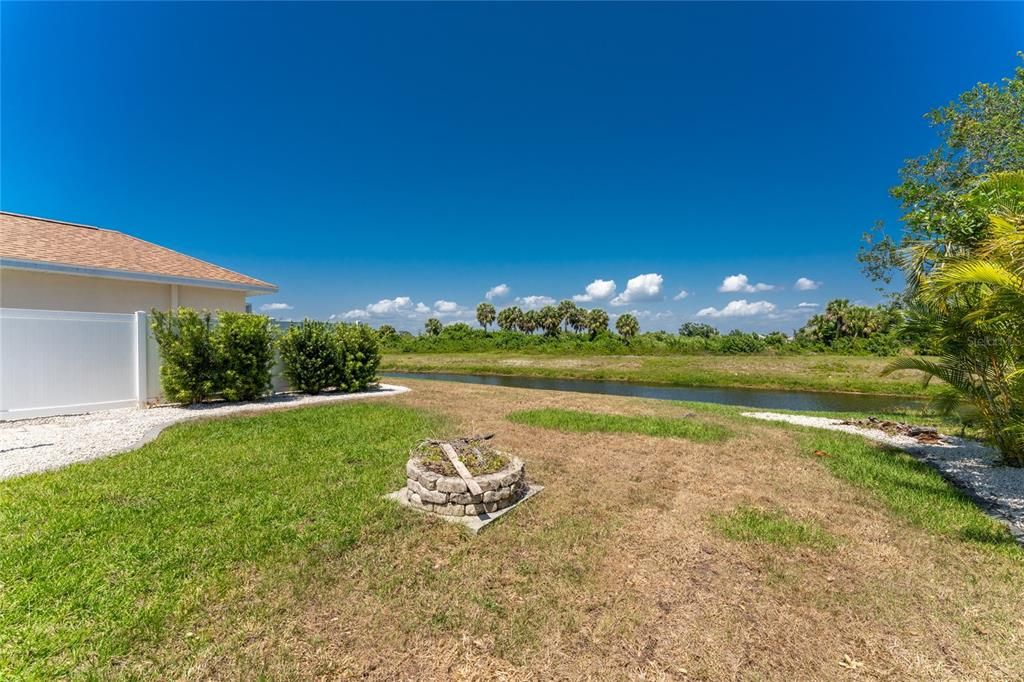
[698, 329]
[740, 342]
[244, 344]
[190, 370]
[309, 352]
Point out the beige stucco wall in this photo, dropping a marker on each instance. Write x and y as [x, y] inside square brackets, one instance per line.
[48, 291]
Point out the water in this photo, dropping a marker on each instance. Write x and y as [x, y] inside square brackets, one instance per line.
[746, 397]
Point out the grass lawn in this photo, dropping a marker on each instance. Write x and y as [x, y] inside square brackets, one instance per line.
[793, 372]
[100, 558]
[261, 547]
[590, 422]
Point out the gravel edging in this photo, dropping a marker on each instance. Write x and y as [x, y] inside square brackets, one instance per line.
[43, 443]
[971, 467]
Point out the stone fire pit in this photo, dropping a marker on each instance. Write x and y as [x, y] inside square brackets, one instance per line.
[464, 480]
[450, 495]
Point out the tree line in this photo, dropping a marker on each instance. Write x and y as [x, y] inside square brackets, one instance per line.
[566, 327]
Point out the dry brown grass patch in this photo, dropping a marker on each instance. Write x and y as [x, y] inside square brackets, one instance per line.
[614, 573]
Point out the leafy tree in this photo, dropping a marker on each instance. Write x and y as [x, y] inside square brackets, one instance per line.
[627, 326]
[549, 319]
[457, 330]
[485, 314]
[433, 327]
[528, 321]
[982, 132]
[697, 329]
[597, 321]
[509, 318]
[566, 310]
[842, 321]
[386, 332]
[972, 303]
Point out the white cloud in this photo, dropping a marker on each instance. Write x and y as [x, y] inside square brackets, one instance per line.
[499, 291]
[388, 308]
[598, 290]
[645, 315]
[275, 306]
[806, 284]
[809, 305]
[446, 306]
[681, 295]
[739, 308]
[740, 282]
[356, 314]
[640, 288]
[534, 302]
[422, 308]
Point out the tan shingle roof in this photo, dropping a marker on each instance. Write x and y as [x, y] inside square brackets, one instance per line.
[51, 241]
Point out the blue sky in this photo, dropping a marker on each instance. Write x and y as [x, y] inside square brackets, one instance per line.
[372, 158]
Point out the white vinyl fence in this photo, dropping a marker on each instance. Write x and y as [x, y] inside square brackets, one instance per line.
[58, 362]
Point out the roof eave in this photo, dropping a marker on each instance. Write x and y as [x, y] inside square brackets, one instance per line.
[251, 289]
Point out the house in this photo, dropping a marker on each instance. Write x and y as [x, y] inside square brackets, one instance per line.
[74, 331]
[55, 265]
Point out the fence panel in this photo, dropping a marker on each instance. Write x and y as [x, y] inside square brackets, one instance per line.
[58, 362]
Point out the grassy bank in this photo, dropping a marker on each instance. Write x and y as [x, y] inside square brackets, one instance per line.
[852, 374]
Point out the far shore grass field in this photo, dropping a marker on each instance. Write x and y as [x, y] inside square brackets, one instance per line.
[839, 373]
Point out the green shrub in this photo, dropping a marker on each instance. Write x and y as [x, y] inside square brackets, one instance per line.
[318, 356]
[309, 352]
[245, 345]
[190, 370]
[740, 342]
[358, 355]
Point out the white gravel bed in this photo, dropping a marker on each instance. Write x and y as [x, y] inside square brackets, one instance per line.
[969, 465]
[31, 445]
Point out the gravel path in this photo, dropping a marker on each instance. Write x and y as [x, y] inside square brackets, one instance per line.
[970, 466]
[30, 445]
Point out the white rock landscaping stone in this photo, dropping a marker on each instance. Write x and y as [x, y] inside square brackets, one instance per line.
[31, 445]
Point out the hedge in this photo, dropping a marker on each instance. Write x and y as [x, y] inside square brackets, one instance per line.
[232, 355]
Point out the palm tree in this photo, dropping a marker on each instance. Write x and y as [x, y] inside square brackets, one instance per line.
[972, 305]
[566, 308]
[433, 327]
[508, 318]
[549, 319]
[485, 314]
[597, 321]
[528, 321]
[627, 326]
[577, 319]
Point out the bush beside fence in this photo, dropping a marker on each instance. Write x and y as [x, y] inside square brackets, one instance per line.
[232, 355]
